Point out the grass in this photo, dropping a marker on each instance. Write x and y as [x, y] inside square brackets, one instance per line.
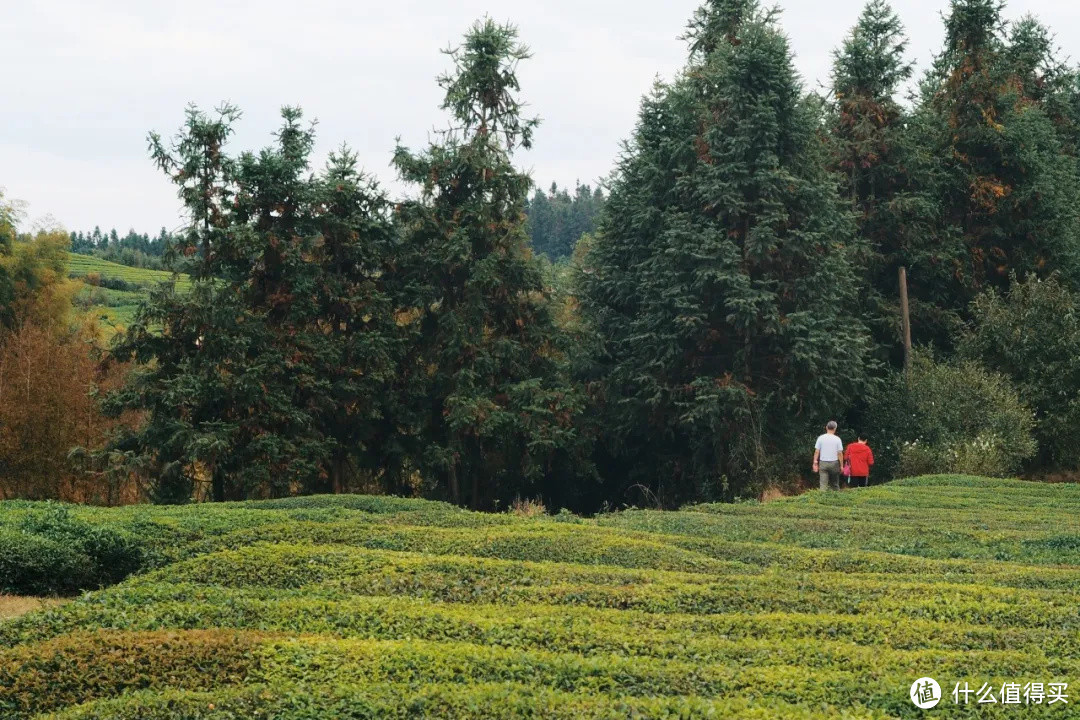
[820, 606]
[12, 606]
[115, 309]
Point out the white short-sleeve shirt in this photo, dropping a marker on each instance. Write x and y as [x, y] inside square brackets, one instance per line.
[830, 447]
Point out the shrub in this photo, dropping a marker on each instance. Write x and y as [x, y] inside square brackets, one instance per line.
[115, 283]
[981, 455]
[565, 516]
[1032, 335]
[950, 418]
[82, 666]
[34, 565]
[378, 504]
[52, 552]
[114, 554]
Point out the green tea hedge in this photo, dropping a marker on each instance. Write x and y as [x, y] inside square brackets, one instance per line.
[48, 551]
[820, 606]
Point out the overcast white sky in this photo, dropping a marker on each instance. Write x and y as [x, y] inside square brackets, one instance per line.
[84, 80]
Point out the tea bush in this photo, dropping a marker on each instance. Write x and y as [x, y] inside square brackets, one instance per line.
[818, 606]
[34, 565]
[50, 551]
[488, 701]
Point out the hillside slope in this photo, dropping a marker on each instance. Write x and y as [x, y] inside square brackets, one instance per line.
[821, 606]
[115, 306]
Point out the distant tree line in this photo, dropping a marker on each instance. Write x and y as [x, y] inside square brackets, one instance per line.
[734, 287]
[558, 219]
[133, 249]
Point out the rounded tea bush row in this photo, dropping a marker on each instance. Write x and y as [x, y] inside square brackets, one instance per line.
[821, 606]
[52, 552]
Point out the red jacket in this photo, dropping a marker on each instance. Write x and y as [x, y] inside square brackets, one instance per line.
[861, 457]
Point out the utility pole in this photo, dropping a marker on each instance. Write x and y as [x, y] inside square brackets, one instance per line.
[906, 321]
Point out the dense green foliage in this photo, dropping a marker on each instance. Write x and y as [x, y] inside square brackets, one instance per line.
[1008, 178]
[1031, 334]
[950, 418]
[557, 219]
[723, 272]
[822, 606]
[249, 379]
[880, 155]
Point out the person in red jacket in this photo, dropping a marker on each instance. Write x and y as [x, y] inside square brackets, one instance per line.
[861, 458]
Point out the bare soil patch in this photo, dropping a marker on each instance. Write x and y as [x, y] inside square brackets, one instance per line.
[15, 605]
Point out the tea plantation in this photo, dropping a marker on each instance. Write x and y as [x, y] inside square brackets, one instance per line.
[113, 292]
[820, 606]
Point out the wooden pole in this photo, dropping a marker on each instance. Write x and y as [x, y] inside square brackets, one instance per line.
[906, 321]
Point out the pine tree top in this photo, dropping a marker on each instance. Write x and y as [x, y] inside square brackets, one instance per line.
[718, 22]
[481, 92]
[973, 26]
[871, 61]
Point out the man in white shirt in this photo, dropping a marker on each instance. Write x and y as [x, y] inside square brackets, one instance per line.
[829, 458]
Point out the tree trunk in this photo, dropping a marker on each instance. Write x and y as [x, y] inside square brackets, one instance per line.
[339, 470]
[218, 485]
[455, 490]
[475, 499]
[905, 319]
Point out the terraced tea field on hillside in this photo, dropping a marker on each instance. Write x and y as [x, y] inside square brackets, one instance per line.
[115, 308]
[820, 606]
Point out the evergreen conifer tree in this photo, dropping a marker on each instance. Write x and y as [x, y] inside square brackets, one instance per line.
[722, 275]
[541, 223]
[486, 365]
[891, 181]
[1011, 187]
[267, 377]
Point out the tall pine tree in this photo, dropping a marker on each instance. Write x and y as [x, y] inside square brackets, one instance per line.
[722, 275]
[486, 364]
[268, 377]
[1011, 188]
[891, 182]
